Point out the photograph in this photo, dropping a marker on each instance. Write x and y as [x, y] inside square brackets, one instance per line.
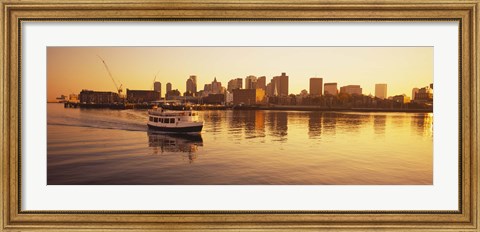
[239, 115]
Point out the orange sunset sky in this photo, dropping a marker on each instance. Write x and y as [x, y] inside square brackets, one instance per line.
[71, 69]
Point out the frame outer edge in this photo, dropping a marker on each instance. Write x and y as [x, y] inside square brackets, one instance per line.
[476, 113]
[7, 115]
[4, 203]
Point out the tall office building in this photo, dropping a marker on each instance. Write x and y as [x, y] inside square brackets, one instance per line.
[169, 88]
[192, 84]
[216, 87]
[157, 87]
[316, 85]
[262, 82]
[251, 82]
[194, 78]
[381, 91]
[279, 85]
[331, 89]
[234, 84]
[414, 93]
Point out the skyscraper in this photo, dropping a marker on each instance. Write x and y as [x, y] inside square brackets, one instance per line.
[169, 88]
[262, 83]
[316, 85]
[194, 78]
[234, 84]
[279, 85]
[381, 91]
[216, 86]
[331, 89]
[192, 84]
[251, 82]
[157, 87]
[414, 93]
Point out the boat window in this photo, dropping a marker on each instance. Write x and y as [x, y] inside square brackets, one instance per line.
[155, 119]
[160, 120]
[151, 119]
[172, 120]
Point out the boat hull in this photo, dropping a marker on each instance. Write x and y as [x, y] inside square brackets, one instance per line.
[190, 129]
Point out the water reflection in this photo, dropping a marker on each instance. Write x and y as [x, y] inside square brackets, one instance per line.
[423, 124]
[329, 123]
[353, 122]
[278, 125]
[242, 148]
[315, 124]
[183, 143]
[379, 124]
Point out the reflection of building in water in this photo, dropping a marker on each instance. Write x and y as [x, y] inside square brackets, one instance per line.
[185, 144]
[353, 121]
[215, 120]
[379, 123]
[329, 122]
[259, 120]
[422, 124]
[315, 124]
[278, 124]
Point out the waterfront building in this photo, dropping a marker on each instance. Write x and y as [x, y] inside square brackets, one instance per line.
[351, 89]
[401, 99]
[98, 97]
[262, 83]
[228, 97]
[234, 84]
[215, 99]
[73, 97]
[381, 91]
[172, 94]
[141, 96]
[316, 85]
[331, 89]
[424, 94]
[249, 96]
[251, 82]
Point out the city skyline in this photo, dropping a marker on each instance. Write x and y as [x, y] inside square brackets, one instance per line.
[71, 69]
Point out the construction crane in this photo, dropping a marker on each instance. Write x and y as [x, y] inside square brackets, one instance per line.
[154, 79]
[119, 89]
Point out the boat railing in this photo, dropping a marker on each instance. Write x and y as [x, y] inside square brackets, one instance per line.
[168, 113]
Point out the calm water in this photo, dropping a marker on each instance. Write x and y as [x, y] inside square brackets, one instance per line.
[92, 146]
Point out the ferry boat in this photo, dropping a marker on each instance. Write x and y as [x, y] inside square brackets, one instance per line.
[175, 121]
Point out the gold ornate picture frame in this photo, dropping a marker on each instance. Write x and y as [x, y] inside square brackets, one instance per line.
[14, 13]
